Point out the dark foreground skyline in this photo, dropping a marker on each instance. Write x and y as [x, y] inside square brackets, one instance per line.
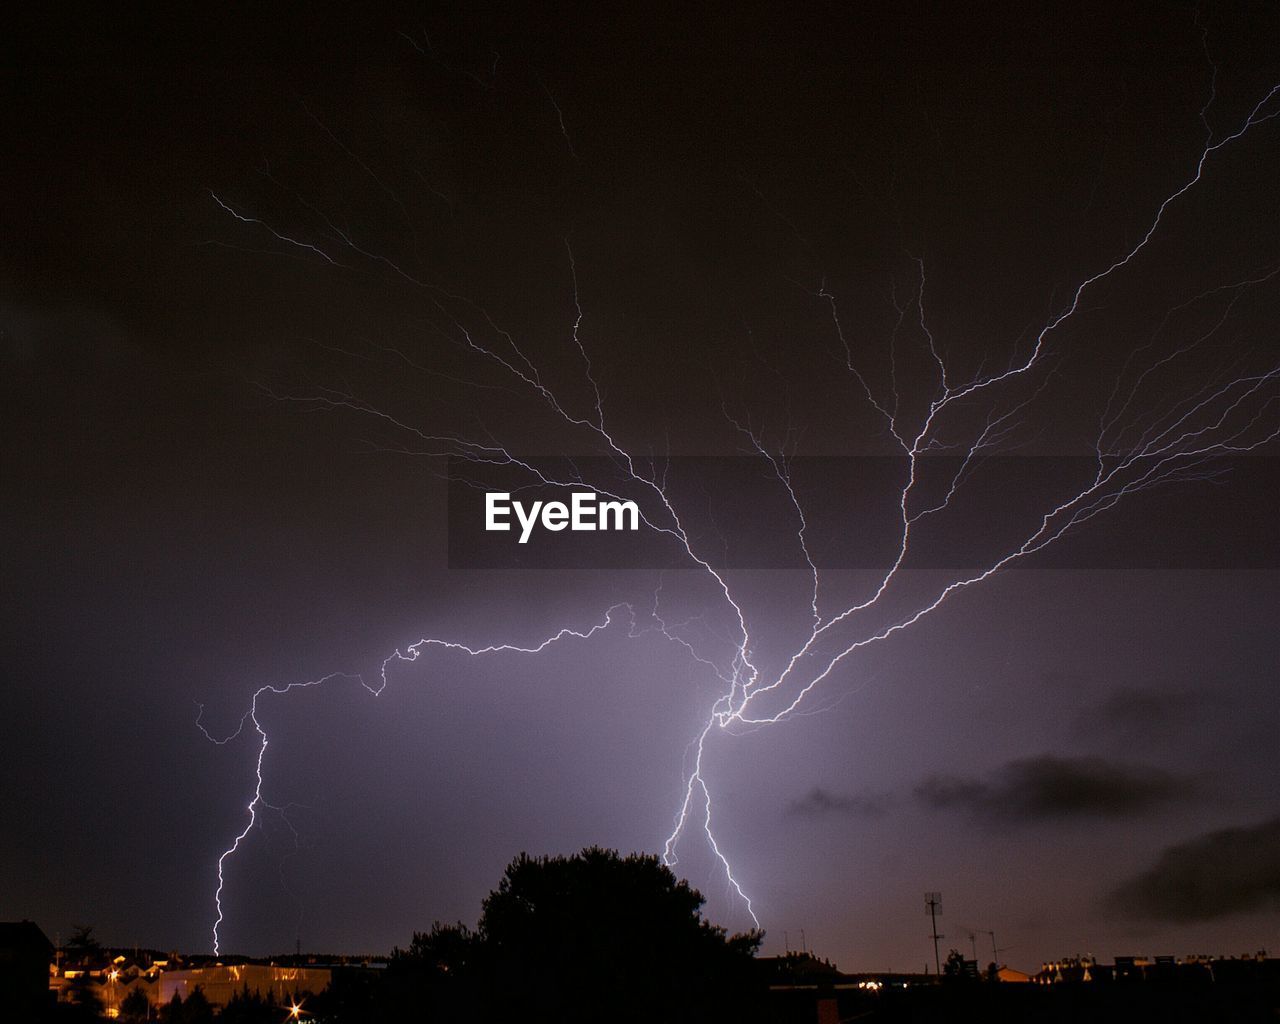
[265, 272]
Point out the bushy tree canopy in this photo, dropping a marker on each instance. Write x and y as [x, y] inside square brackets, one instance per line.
[592, 936]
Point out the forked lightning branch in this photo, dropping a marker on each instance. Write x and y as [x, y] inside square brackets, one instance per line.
[584, 514]
[1144, 438]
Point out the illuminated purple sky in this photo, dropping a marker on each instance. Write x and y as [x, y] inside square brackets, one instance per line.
[216, 228]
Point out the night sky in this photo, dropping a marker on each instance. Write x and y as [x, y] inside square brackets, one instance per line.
[264, 270]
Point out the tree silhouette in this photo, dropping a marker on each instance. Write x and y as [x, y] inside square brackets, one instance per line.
[247, 1007]
[953, 966]
[196, 1009]
[85, 998]
[446, 948]
[82, 940]
[596, 934]
[436, 976]
[135, 1006]
[589, 936]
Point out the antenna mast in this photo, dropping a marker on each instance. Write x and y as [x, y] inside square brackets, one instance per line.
[933, 906]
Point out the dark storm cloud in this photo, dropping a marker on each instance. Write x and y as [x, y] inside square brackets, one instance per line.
[822, 803]
[1048, 787]
[1140, 712]
[1217, 874]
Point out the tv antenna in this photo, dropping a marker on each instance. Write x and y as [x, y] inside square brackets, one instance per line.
[933, 907]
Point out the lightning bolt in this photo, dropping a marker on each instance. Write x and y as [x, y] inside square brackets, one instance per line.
[1231, 413]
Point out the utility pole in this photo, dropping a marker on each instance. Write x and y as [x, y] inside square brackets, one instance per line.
[933, 905]
[995, 953]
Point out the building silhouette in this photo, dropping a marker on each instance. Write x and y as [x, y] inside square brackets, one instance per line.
[25, 952]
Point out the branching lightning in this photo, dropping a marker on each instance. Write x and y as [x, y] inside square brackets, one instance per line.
[1229, 414]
